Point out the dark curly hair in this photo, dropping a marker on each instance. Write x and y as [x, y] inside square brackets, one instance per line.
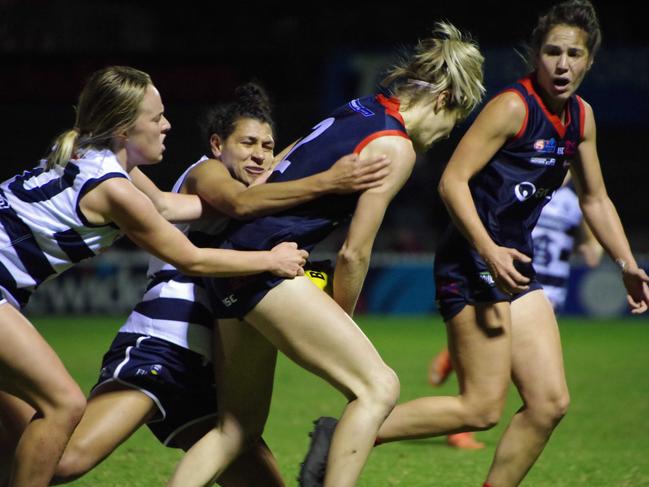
[251, 101]
[576, 13]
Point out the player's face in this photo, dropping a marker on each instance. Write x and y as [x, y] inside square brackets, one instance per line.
[248, 151]
[563, 62]
[144, 141]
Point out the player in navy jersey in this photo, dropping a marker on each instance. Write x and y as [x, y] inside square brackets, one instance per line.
[560, 231]
[85, 195]
[440, 84]
[500, 324]
[158, 370]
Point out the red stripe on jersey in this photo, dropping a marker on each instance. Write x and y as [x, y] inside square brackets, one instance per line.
[382, 133]
[555, 120]
[521, 131]
[582, 117]
[391, 105]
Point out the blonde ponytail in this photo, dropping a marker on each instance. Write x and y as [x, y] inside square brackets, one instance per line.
[64, 147]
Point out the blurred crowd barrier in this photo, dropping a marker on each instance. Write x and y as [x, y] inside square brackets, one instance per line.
[397, 284]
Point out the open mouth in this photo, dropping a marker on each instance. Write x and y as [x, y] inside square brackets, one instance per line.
[561, 82]
[256, 170]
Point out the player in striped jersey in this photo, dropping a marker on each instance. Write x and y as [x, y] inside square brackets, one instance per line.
[560, 231]
[74, 205]
[159, 368]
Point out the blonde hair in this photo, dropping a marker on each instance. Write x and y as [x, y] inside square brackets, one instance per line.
[448, 60]
[109, 103]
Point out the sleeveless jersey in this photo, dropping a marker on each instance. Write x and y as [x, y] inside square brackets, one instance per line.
[511, 190]
[175, 307]
[349, 129]
[554, 239]
[42, 229]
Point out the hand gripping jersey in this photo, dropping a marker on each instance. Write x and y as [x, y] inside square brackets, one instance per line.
[511, 190]
[42, 230]
[174, 306]
[349, 129]
[554, 239]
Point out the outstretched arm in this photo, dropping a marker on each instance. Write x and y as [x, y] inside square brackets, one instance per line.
[173, 207]
[602, 217]
[354, 256]
[214, 184]
[117, 200]
[500, 120]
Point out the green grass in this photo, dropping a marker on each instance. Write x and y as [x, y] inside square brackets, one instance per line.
[603, 441]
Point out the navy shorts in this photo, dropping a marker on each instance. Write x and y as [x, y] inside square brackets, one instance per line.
[179, 381]
[462, 277]
[234, 297]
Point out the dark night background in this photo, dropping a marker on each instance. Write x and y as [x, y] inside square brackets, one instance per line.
[311, 57]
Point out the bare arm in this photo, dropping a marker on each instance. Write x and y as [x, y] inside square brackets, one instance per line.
[354, 256]
[500, 120]
[173, 207]
[214, 184]
[117, 200]
[602, 217]
[589, 248]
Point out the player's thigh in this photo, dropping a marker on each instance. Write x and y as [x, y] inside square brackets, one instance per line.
[480, 343]
[113, 413]
[244, 367]
[312, 329]
[29, 367]
[537, 358]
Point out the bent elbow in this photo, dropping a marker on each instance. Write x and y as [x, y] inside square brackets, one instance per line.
[190, 264]
[442, 189]
[352, 256]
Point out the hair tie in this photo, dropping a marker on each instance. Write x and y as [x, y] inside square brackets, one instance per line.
[421, 83]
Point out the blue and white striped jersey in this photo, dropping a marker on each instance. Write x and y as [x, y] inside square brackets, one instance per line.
[554, 239]
[42, 229]
[175, 307]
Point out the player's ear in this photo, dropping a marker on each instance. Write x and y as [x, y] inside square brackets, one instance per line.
[217, 145]
[441, 100]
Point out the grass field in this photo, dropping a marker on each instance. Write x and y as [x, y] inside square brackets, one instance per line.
[604, 440]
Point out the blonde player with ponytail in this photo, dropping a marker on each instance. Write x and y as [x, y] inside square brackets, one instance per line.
[426, 96]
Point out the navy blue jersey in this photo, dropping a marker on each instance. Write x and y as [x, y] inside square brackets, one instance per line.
[509, 194]
[511, 190]
[349, 129]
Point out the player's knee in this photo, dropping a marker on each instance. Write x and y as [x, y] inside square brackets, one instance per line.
[484, 415]
[548, 412]
[384, 389]
[64, 408]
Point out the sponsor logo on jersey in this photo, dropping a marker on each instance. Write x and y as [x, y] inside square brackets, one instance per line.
[526, 190]
[487, 278]
[543, 161]
[358, 107]
[546, 146]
